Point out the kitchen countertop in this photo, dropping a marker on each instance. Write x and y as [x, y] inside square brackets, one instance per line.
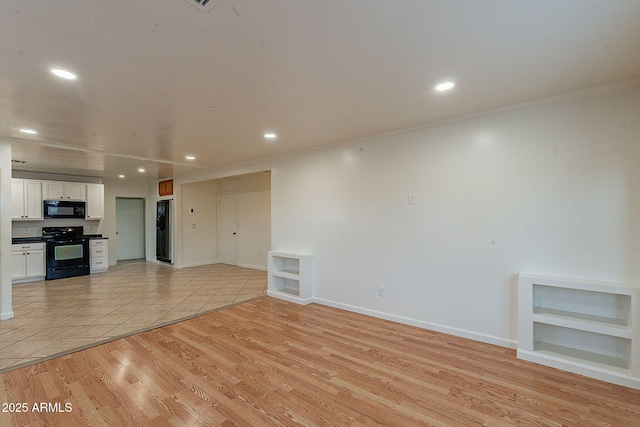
[18, 240]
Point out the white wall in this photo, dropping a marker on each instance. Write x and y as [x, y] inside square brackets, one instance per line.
[552, 189]
[248, 183]
[6, 311]
[199, 223]
[254, 229]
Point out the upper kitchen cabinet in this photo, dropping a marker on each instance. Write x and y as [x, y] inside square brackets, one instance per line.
[95, 201]
[165, 188]
[26, 200]
[56, 190]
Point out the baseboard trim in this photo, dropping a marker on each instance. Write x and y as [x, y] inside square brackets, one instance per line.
[7, 315]
[463, 333]
[288, 297]
[253, 267]
[29, 280]
[195, 264]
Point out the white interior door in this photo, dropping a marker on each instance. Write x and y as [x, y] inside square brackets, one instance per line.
[130, 233]
[228, 228]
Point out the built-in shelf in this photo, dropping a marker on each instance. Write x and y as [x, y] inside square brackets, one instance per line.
[587, 327]
[583, 317]
[291, 277]
[583, 357]
[609, 308]
[588, 346]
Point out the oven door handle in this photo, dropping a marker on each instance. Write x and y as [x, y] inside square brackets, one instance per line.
[67, 242]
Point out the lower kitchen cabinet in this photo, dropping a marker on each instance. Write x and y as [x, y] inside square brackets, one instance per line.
[27, 262]
[99, 249]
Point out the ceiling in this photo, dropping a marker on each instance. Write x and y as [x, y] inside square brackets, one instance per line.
[160, 79]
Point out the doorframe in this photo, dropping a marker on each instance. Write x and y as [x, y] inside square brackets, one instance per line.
[144, 228]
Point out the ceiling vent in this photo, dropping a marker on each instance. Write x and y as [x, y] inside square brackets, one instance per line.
[203, 5]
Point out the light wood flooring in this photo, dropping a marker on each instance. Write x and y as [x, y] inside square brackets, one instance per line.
[268, 362]
[52, 317]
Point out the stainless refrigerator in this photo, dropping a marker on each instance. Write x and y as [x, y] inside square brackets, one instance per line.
[164, 230]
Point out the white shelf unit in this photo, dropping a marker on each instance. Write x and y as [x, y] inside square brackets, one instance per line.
[291, 277]
[587, 327]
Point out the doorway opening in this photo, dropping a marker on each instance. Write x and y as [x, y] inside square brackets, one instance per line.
[226, 221]
[130, 229]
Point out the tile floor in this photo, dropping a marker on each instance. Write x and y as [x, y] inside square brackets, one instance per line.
[53, 317]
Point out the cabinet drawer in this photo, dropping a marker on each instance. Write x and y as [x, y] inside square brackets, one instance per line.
[98, 242]
[98, 251]
[99, 263]
[27, 247]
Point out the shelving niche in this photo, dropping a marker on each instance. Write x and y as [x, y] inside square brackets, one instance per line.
[291, 277]
[587, 327]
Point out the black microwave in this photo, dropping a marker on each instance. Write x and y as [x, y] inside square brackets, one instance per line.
[63, 209]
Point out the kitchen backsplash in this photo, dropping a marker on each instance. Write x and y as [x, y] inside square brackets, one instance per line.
[34, 228]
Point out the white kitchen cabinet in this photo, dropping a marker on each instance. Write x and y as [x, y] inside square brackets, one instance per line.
[58, 190]
[591, 328]
[27, 262]
[99, 255]
[291, 277]
[95, 201]
[26, 200]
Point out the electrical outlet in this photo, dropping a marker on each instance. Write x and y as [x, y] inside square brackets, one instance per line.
[380, 291]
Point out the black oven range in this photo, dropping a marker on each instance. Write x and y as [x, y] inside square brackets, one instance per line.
[67, 252]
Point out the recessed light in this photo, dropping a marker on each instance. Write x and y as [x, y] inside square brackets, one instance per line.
[441, 87]
[190, 157]
[29, 131]
[141, 170]
[270, 135]
[64, 74]
[120, 176]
